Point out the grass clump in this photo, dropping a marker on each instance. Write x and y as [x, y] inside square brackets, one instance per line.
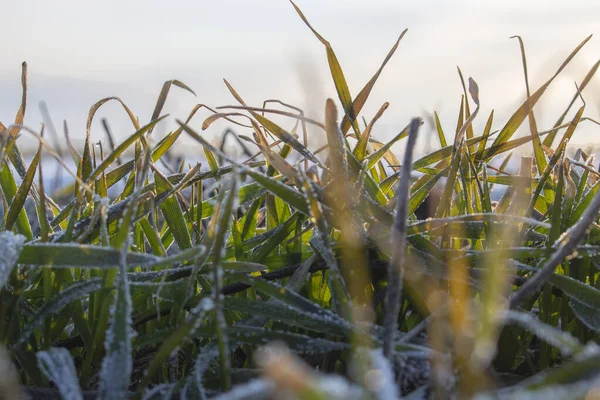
[291, 275]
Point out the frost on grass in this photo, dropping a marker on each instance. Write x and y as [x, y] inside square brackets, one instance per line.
[587, 389]
[57, 365]
[298, 343]
[117, 364]
[563, 341]
[380, 377]
[290, 374]
[411, 372]
[11, 245]
[164, 391]
[254, 389]
[197, 313]
[194, 388]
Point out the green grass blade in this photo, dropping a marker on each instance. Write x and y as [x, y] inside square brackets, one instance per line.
[563, 341]
[9, 190]
[577, 290]
[375, 157]
[18, 201]
[552, 135]
[523, 111]
[275, 130]
[176, 339]
[172, 213]
[72, 255]
[162, 97]
[112, 157]
[360, 150]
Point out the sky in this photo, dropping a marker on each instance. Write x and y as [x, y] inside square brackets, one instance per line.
[80, 51]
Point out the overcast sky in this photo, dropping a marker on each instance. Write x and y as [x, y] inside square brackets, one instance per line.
[80, 51]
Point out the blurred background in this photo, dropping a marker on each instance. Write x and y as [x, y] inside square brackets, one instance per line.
[80, 51]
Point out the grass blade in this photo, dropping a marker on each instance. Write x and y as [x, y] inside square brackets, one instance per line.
[522, 112]
[396, 268]
[58, 366]
[18, 201]
[117, 365]
[11, 246]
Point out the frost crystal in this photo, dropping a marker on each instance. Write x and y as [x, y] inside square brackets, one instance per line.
[257, 388]
[10, 249]
[383, 375]
[57, 365]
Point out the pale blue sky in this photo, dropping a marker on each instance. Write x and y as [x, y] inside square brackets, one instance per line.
[80, 51]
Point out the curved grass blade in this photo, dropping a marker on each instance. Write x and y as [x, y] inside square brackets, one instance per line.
[563, 341]
[13, 131]
[99, 104]
[572, 371]
[276, 130]
[57, 365]
[259, 388]
[577, 290]
[293, 300]
[589, 316]
[164, 391]
[162, 97]
[296, 342]
[286, 193]
[20, 117]
[112, 157]
[278, 311]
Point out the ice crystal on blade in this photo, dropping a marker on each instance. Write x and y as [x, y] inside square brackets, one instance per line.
[57, 365]
[11, 245]
[117, 364]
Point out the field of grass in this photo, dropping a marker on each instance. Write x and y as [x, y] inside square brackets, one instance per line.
[306, 279]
